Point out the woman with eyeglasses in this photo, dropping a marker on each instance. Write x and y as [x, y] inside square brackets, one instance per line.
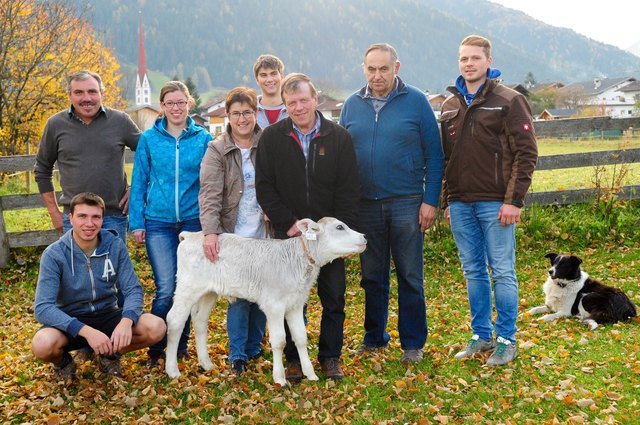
[164, 196]
[228, 204]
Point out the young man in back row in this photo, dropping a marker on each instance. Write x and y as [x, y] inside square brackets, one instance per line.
[269, 72]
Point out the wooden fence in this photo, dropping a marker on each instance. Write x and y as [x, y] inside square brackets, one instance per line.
[19, 163]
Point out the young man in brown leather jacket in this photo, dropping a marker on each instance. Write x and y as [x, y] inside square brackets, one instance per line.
[490, 153]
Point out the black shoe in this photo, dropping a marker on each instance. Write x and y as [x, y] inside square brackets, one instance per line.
[238, 366]
[257, 356]
[154, 362]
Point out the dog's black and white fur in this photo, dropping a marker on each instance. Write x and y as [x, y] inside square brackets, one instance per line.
[571, 292]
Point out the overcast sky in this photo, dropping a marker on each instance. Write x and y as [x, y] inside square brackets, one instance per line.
[610, 21]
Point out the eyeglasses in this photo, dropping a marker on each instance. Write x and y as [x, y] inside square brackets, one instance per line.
[246, 114]
[170, 104]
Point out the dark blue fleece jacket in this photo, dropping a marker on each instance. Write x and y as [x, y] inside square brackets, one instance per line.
[398, 148]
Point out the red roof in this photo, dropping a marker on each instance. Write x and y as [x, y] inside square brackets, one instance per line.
[142, 59]
[219, 112]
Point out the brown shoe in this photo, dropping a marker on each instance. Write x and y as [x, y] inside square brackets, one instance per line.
[66, 370]
[293, 373]
[331, 368]
[84, 356]
[110, 365]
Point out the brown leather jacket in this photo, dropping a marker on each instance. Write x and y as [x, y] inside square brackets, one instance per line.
[489, 146]
[221, 184]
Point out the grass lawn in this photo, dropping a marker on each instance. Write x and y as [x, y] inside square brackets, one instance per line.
[565, 373]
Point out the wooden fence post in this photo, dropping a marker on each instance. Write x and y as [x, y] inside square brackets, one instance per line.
[5, 252]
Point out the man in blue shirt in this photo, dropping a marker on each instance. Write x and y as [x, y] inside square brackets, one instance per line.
[400, 161]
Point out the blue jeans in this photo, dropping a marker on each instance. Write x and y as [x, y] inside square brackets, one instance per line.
[119, 223]
[392, 230]
[245, 326]
[162, 246]
[482, 240]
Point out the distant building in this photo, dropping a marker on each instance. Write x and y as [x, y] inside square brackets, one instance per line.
[144, 115]
[557, 114]
[217, 121]
[330, 109]
[632, 92]
[199, 119]
[538, 87]
[436, 101]
[143, 88]
[605, 95]
[520, 88]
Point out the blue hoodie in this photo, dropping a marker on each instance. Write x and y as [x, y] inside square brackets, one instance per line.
[166, 175]
[461, 85]
[398, 148]
[71, 285]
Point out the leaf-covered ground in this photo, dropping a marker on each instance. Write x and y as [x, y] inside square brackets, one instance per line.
[565, 373]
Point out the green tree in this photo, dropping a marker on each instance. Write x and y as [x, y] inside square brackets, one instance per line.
[543, 99]
[193, 90]
[530, 80]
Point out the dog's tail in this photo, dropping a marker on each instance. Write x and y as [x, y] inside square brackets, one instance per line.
[623, 307]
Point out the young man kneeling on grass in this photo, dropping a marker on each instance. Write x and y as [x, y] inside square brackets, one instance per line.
[77, 296]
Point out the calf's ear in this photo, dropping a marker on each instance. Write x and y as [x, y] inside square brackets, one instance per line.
[305, 223]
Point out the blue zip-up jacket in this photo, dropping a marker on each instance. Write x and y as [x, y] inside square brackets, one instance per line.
[398, 149]
[166, 175]
[72, 285]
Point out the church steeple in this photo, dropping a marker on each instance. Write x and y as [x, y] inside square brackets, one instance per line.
[143, 89]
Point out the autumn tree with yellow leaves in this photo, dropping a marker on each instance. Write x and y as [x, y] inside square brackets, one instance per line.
[41, 42]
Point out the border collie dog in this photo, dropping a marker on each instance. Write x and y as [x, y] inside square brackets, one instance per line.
[569, 291]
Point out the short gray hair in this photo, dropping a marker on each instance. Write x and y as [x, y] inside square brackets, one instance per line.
[385, 47]
[84, 75]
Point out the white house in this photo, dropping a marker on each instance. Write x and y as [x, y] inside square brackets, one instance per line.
[632, 93]
[606, 94]
[216, 116]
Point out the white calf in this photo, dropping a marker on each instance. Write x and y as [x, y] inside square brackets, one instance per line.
[275, 274]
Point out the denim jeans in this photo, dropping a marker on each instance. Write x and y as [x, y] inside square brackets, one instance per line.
[119, 223]
[245, 326]
[482, 240]
[162, 245]
[392, 230]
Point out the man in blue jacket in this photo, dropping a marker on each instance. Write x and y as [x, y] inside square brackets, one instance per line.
[76, 297]
[400, 161]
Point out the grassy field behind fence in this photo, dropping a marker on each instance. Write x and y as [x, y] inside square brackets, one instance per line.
[565, 373]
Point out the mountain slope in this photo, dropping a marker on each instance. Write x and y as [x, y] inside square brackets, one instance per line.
[217, 42]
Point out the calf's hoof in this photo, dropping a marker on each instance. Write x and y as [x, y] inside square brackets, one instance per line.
[173, 372]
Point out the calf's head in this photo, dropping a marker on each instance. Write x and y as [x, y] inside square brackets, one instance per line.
[330, 238]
